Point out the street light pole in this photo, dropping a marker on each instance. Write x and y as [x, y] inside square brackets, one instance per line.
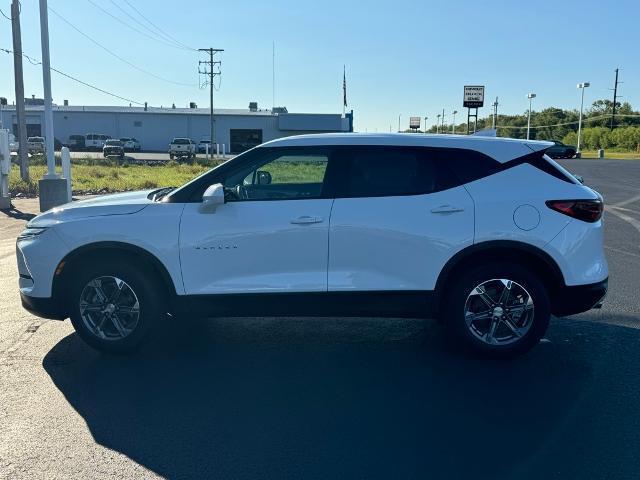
[530, 96]
[453, 128]
[425, 124]
[581, 86]
[438, 124]
[399, 122]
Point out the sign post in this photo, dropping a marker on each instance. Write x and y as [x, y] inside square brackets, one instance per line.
[473, 98]
[414, 123]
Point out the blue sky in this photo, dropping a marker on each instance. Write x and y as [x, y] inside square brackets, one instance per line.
[410, 58]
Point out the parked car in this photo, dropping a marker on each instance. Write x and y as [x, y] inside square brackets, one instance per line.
[130, 144]
[95, 141]
[182, 148]
[203, 145]
[35, 145]
[76, 143]
[488, 234]
[113, 148]
[560, 150]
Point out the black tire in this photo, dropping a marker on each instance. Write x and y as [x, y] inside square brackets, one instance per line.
[171, 156]
[141, 280]
[455, 302]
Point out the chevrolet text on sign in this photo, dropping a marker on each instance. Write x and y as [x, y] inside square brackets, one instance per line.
[473, 96]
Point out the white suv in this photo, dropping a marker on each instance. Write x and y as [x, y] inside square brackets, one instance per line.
[487, 234]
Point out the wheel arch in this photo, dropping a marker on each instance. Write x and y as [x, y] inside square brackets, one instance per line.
[502, 250]
[137, 254]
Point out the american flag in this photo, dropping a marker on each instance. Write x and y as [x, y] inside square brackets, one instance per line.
[344, 85]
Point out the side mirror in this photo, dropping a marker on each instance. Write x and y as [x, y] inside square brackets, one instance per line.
[212, 197]
[263, 177]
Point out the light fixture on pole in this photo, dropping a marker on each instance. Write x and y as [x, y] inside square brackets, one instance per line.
[581, 86]
[438, 124]
[530, 96]
[453, 128]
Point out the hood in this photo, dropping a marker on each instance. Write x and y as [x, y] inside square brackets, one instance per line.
[116, 204]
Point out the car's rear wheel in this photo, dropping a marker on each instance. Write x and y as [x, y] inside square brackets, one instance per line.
[500, 310]
[115, 304]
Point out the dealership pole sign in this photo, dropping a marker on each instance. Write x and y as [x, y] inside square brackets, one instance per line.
[414, 123]
[473, 98]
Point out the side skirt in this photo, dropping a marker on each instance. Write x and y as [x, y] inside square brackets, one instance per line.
[403, 304]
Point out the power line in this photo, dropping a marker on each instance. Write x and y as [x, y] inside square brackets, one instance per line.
[33, 61]
[159, 40]
[590, 119]
[115, 55]
[161, 36]
[156, 27]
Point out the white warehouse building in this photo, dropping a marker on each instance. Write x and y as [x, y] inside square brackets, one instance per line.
[154, 127]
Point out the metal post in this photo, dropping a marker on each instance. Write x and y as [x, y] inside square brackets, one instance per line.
[5, 169]
[65, 158]
[399, 122]
[46, 80]
[438, 124]
[443, 130]
[530, 96]
[581, 86]
[425, 124]
[453, 128]
[206, 150]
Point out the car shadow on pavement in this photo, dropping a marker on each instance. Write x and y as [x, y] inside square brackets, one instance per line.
[359, 398]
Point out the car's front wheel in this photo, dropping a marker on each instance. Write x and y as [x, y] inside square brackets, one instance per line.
[114, 305]
[500, 310]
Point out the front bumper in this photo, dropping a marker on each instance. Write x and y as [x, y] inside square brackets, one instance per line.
[43, 307]
[579, 298]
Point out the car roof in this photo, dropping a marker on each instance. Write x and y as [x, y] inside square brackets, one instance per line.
[500, 148]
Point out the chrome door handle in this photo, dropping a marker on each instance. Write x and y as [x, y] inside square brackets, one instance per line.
[447, 209]
[306, 219]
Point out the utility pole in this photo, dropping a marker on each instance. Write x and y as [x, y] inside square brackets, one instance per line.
[443, 131]
[615, 99]
[211, 69]
[19, 88]
[453, 128]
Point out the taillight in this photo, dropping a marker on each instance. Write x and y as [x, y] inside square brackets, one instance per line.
[585, 210]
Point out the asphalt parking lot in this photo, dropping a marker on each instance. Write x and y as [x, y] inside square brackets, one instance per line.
[331, 398]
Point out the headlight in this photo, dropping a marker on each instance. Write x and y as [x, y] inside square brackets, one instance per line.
[30, 233]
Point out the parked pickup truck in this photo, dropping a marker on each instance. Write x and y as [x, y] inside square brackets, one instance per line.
[35, 145]
[182, 148]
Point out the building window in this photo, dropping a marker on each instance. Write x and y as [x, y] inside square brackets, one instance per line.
[137, 123]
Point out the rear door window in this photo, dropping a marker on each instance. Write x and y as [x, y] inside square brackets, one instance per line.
[389, 171]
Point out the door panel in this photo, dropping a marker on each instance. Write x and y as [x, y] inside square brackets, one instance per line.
[397, 242]
[255, 246]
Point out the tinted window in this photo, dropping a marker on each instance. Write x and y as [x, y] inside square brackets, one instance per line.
[388, 171]
[467, 165]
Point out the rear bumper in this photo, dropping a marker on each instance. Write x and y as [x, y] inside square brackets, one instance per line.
[580, 298]
[43, 307]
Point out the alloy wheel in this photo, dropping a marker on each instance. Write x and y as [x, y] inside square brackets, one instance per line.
[499, 312]
[109, 308]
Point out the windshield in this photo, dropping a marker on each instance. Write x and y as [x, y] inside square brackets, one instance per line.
[113, 143]
[35, 139]
[181, 141]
